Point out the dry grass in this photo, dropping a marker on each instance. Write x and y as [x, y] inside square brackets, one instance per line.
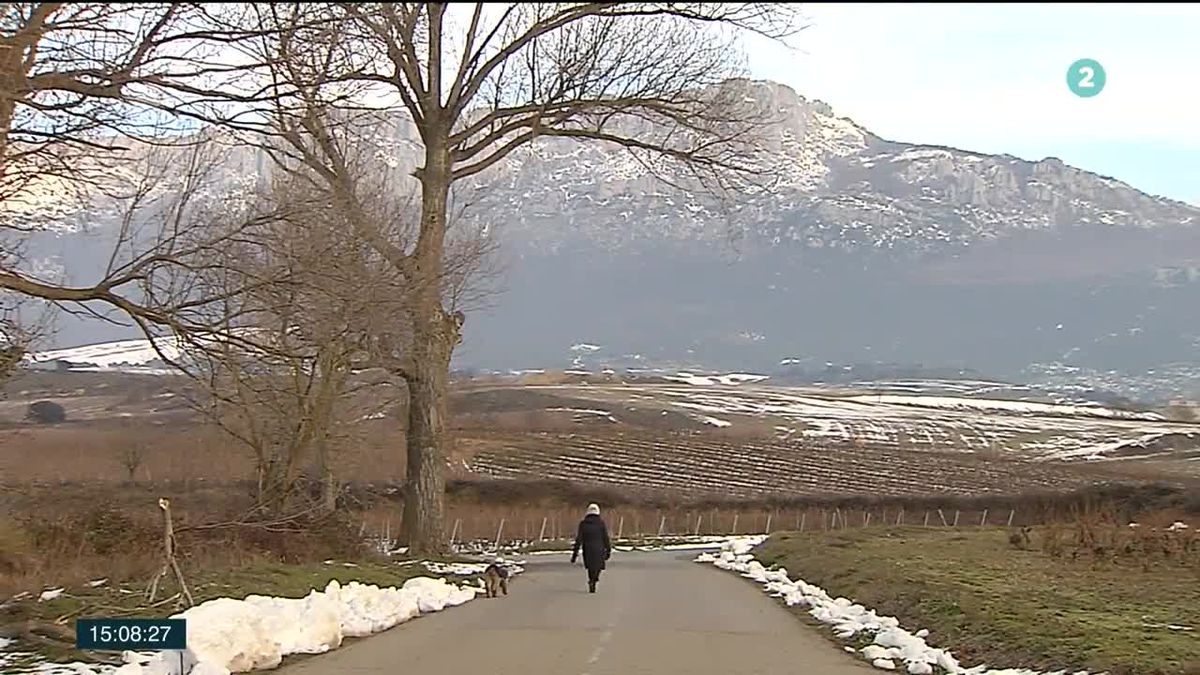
[991, 603]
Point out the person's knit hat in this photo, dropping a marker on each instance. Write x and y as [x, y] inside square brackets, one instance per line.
[593, 509]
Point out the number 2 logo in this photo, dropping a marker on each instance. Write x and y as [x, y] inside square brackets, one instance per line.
[1086, 78]
[1086, 82]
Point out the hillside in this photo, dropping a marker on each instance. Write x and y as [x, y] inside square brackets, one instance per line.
[856, 249]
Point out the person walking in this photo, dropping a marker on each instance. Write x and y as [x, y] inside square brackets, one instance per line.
[593, 539]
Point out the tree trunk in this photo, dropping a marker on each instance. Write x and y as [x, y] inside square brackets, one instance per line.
[435, 335]
[424, 499]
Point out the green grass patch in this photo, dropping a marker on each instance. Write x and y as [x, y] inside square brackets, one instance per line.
[989, 603]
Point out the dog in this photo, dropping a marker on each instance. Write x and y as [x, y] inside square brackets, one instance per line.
[495, 580]
[1020, 538]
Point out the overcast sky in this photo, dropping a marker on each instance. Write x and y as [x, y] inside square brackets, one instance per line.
[992, 78]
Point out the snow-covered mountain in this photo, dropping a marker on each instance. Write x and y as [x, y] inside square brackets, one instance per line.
[833, 185]
[855, 249]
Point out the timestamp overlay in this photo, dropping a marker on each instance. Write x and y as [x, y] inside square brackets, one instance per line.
[138, 635]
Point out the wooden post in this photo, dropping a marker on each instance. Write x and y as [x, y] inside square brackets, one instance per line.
[768, 528]
[1011, 513]
[837, 518]
[956, 512]
[499, 531]
[733, 530]
[802, 516]
[454, 532]
[542, 534]
[983, 520]
[943, 517]
[900, 518]
[620, 526]
[661, 524]
[169, 562]
[867, 519]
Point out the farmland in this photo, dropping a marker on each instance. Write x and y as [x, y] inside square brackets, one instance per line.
[690, 438]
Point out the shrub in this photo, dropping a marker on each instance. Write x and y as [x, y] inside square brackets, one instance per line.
[46, 412]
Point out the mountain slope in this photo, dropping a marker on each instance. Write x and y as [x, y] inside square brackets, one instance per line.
[857, 249]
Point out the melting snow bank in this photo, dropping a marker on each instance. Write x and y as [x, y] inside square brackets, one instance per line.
[226, 635]
[893, 648]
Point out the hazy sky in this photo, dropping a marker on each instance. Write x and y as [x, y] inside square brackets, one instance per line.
[992, 78]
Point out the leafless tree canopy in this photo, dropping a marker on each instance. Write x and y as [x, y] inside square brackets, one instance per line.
[311, 84]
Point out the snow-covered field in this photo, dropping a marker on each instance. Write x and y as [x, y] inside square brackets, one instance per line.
[228, 635]
[120, 355]
[1024, 429]
[892, 647]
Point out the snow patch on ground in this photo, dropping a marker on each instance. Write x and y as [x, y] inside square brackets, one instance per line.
[227, 635]
[730, 379]
[467, 569]
[110, 354]
[893, 648]
[1029, 407]
[586, 411]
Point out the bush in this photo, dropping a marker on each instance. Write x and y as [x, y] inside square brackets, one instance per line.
[46, 412]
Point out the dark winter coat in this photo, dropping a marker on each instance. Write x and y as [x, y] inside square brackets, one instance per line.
[593, 539]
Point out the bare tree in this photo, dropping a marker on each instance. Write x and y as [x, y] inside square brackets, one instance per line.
[654, 78]
[479, 82]
[86, 91]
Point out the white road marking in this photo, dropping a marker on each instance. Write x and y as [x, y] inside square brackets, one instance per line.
[604, 638]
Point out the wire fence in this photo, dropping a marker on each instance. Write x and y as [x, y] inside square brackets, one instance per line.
[500, 528]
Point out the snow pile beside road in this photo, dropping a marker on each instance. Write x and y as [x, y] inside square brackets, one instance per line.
[893, 648]
[226, 635]
[458, 569]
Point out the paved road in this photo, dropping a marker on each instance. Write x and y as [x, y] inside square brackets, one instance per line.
[654, 613]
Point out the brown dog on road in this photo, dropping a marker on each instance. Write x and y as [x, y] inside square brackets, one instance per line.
[495, 580]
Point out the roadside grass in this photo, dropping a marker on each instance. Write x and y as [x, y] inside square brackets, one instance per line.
[990, 603]
[46, 629]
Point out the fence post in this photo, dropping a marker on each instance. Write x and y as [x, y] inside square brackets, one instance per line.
[1011, 513]
[542, 534]
[837, 517]
[802, 516]
[943, 517]
[733, 530]
[454, 532]
[900, 518]
[698, 519]
[620, 526]
[983, 520]
[499, 531]
[661, 524]
[768, 531]
[956, 512]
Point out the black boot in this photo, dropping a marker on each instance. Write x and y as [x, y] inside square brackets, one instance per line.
[591, 586]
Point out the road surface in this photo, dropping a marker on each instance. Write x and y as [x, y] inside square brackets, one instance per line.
[654, 613]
